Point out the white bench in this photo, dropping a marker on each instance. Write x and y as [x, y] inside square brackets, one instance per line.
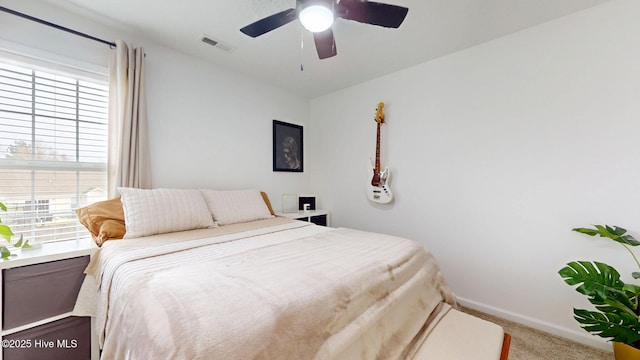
[460, 336]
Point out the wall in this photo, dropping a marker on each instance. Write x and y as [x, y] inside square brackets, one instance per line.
[496, 152]
[208, 126]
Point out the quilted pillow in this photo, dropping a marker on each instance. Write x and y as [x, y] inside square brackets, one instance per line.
[236, 206]
[104, 220]
[158, 211]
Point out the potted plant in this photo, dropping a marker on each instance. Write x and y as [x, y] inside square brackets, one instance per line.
[617, 303]
[5, 232]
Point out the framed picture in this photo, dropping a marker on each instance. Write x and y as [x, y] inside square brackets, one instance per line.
[287, 147]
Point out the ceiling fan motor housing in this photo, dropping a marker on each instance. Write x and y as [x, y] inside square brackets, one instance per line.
[316, 15]
[367, 12]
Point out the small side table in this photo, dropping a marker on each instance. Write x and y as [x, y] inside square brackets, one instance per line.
[318, 217]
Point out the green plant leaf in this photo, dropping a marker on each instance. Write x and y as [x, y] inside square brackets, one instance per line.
[616, 327]
[599, 282]
[4, 252]
[636, 275]
[6, 232]
[603, 230]
[590, 232]
[627, 240]
[616, 230]
[614, 233]
[20, 242]
[3, 207]
[632, 288]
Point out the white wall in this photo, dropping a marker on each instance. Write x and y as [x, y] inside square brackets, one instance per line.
[496, 153]
[208, 126]
[213, 128]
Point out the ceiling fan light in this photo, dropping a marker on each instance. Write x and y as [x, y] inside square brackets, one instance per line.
[316, 18]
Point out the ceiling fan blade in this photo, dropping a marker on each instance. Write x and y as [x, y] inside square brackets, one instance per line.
[325, 44]
[269, 23]
[373, 13]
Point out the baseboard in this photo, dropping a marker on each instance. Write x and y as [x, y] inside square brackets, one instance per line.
[579, 337]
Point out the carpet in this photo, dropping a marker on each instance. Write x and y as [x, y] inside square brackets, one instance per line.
[532, 344]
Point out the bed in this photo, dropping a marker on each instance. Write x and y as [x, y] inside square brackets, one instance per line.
[263, 288]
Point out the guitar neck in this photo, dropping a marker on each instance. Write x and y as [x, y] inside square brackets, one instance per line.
[377, 168]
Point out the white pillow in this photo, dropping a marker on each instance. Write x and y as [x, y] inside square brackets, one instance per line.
[158, 211]
[236, 206]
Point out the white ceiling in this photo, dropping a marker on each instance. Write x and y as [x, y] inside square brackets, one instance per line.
[432, 28]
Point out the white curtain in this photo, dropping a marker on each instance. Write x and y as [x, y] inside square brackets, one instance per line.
[128, 163]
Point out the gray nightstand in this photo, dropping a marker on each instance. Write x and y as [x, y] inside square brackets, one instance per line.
[37, 296]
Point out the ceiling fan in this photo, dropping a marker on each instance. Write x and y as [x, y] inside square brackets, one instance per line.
[317, 16]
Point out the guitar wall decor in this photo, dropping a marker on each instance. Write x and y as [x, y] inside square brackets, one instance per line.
[378, 190]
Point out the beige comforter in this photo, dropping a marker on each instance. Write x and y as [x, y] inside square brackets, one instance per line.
[275, 290]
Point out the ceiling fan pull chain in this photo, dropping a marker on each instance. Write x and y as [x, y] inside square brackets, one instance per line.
[301, 51]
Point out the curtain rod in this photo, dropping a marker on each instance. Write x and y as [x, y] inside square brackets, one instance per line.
[56, 26]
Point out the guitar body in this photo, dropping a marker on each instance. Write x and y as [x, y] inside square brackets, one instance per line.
[378, 189]
[380, 193]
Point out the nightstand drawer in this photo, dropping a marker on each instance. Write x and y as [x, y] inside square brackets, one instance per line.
[319, 220]
[40, 291]
[65, 339]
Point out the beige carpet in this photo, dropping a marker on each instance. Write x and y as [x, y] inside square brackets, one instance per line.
[531, 344]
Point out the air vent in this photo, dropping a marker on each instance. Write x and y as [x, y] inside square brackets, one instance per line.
[217, 43]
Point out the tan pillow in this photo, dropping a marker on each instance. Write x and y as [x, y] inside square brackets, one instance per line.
[104, 220]
[266, 201]
[109, 230]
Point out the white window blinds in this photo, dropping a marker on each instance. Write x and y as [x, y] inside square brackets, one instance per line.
[53, 150]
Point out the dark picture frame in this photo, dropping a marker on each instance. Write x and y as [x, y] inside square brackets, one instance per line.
[287, 147]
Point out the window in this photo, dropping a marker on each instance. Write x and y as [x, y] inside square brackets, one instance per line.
[53, 149]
